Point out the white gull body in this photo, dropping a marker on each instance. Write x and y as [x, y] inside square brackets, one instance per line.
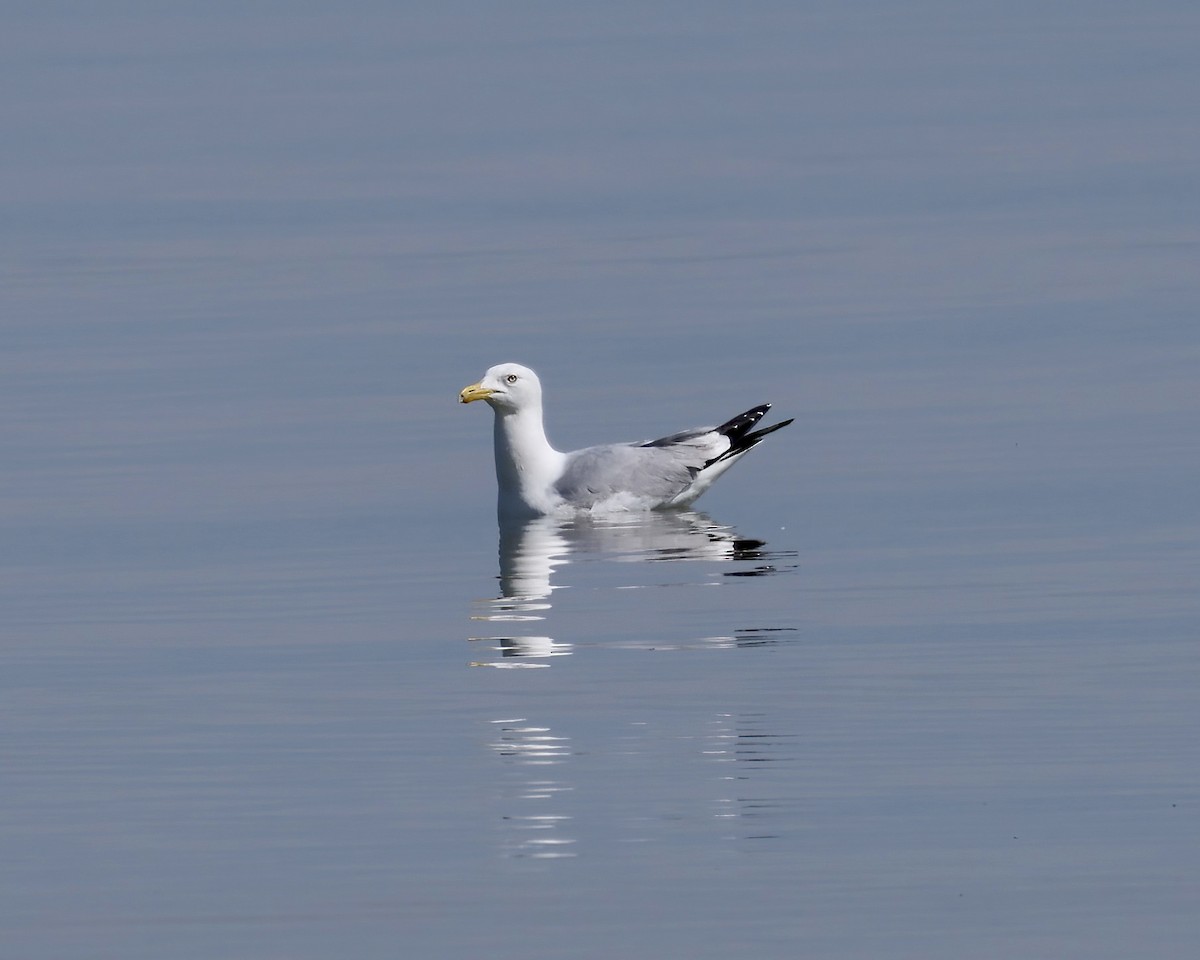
[535, 480]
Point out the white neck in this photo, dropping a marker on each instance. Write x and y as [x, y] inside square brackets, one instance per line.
[526, 465]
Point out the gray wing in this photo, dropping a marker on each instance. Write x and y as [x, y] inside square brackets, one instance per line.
[656, 473]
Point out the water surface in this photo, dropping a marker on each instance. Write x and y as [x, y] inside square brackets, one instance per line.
[917, 680]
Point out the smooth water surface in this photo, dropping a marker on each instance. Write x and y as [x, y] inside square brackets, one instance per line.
[919, 677]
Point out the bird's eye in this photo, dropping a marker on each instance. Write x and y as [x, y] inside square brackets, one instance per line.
[511, 378]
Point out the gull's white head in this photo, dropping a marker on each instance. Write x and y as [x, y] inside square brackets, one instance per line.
[507, 387]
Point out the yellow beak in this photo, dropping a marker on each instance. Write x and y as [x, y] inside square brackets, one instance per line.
[476, 391]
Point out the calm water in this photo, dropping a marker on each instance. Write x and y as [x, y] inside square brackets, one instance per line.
[919, 680]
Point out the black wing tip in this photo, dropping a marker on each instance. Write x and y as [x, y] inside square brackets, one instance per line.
[759, 434]
[738, 431]
[740, 425]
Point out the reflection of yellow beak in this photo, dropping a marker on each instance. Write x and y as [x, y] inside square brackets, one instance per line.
[476, 391]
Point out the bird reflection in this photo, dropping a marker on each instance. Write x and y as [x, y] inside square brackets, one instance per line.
[749, 805]
[531, 551]
[537, 825]
[544, 782]
[529, 554]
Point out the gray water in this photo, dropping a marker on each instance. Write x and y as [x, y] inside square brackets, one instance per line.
[918, 679]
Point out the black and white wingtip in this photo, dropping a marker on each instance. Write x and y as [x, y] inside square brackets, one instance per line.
[738, 431]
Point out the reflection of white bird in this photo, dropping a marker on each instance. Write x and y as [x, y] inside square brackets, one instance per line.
[530, 550]
[535, 479]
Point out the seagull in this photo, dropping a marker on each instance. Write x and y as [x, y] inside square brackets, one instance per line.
[536, 480]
